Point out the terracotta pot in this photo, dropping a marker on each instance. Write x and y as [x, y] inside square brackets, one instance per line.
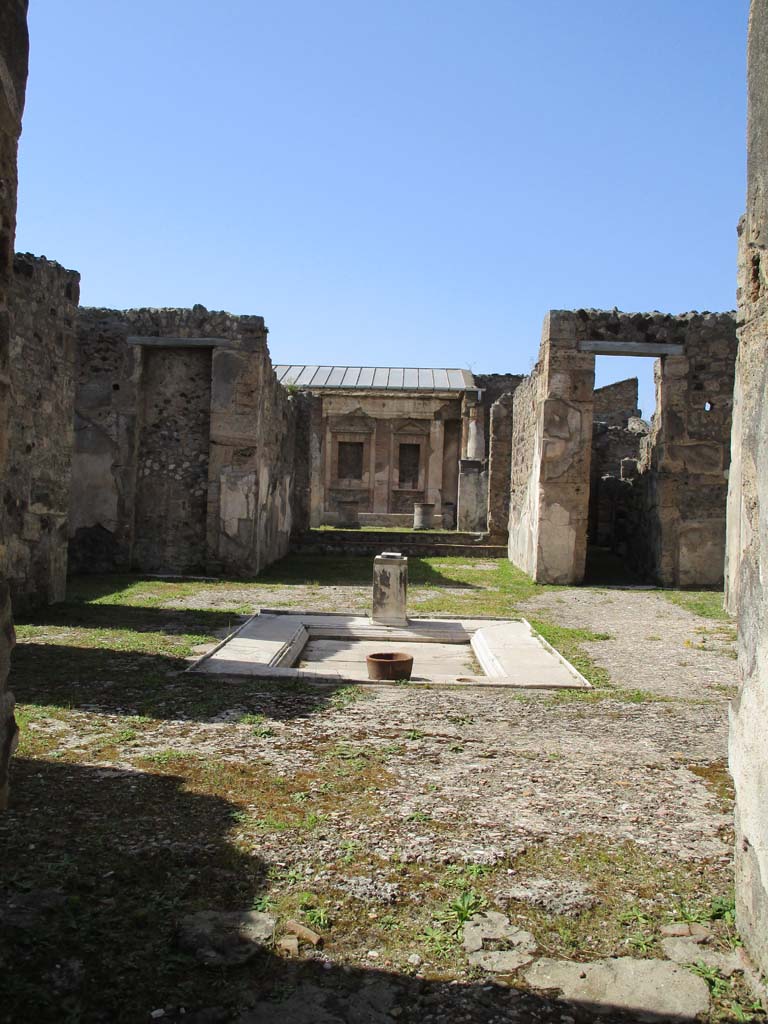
[389, 665]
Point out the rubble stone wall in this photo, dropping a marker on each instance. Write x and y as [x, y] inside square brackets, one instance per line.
[683, 475]
[615, 404]
[500, 464]
[525, 447]
[552, 443]
[184, 444]
[493, 386]
[43, 309]
[748, 519]
[14, 52]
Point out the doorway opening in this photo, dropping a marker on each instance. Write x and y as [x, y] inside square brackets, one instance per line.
[625, 399]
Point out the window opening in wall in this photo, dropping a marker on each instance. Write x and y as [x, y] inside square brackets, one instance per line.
[409, 466]
[350, 460]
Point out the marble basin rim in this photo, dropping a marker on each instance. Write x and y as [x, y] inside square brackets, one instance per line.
[509, 652]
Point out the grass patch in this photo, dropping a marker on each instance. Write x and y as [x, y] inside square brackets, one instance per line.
[706, 603]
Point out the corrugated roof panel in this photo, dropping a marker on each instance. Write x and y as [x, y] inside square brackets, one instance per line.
[336, 376]
[395, 378]
[291, 374]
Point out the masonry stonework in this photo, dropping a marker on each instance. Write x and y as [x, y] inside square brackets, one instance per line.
[681, 487]
[43, 312]
[748, 519]
[184, 444]
[14, 51]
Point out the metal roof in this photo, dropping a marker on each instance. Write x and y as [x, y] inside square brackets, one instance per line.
[389, 378]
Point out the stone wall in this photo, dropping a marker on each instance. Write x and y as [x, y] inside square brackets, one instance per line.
[184, 444]
[43, 310]
[683, 479]
[549, 502]
[611, 491]
[525, 448]
[500, 465]
[14, 51]
[493, 386]
[748, 519]
[615, 404]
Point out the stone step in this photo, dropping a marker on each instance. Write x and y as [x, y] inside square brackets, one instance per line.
[434, 545]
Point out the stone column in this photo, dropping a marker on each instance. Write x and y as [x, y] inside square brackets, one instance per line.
[435, 465]
[473, 426]
[390, 589]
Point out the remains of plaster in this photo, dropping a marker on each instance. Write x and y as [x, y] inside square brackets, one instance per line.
[748, 519]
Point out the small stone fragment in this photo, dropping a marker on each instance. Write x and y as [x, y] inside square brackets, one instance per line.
[654, 990]
[304, 933]
[217, 937]
[414, 960]
[503, 961]
[289, 945]
[491, 926]
[691, 951]
[675, 930]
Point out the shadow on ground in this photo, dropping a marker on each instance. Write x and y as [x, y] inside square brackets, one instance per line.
[130, 683]
[101, 864]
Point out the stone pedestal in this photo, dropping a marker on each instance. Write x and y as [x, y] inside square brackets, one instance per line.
[390, 588]
[473, 497]
[423, 513]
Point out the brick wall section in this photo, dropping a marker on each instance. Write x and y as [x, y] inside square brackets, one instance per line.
[748, 520]
[14, 50]
[43, 311]
[141, 409]
[616, 403]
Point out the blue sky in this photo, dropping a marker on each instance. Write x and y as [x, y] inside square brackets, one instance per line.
[405, 182]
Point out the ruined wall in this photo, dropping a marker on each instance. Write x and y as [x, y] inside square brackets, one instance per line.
[43, 308]
[170, 522]
[611, 491]
[525, 448]
[500, 464]
[683, 478]
[493, 386]
[184, 444]
[14, 50]
[683, 482]
[549, 502]
[748, 519]
[615, 404]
